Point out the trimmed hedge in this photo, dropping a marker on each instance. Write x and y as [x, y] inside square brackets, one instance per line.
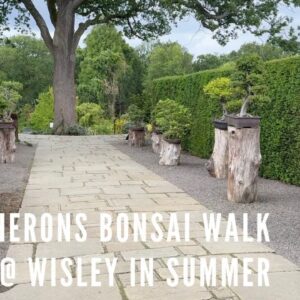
[280, 125]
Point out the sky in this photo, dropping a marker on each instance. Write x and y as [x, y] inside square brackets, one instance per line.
[188, 33]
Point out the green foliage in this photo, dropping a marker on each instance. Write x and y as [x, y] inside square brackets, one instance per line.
[111, 72]
[43, 114]
[89, 114]
[9, 98]
[248, 81]
[172, 118]
[168, 59]
[105, 126]
[135, 115]
[280, 124]
[220, 89]
[26, 60]
[76, 130]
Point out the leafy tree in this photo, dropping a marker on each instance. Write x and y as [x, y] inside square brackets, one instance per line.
[9, 97]
[145, 19]
[26, 60]
[209, 61]
[111, 71]
[43, 114]
[168, 59]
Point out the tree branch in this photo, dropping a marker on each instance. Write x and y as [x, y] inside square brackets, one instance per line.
[40, 23]
[77, 3]
[52, 11]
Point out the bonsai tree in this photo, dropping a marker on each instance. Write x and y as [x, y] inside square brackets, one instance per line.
[9, 97]
[221, 90]
[136, 135]
[172, 118]
[136, 116]
[248, 81]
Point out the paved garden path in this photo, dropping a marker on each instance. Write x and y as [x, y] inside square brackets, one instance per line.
[87, 174]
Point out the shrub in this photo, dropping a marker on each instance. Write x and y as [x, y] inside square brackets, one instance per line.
[172, 118]
[9, 97]
[280, 124]
[121, 123]
[89, 114]
[43, 114]
[76, 130]
[103, 127]
[136, 115]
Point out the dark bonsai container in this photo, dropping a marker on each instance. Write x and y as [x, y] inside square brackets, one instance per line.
[220, 124]
[6, 125]
[137, 128]
[242, 122]
[172, 141]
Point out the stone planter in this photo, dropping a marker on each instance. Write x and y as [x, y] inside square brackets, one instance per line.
[7, 142]
[170, 152]
[217, 166]
[136, 136]
[244, 159]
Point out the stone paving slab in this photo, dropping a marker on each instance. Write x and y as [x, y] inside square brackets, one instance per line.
[88, 175]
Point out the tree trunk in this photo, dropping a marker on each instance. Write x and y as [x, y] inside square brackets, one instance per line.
[170, 154]
[217, 166]
[7, 145]
[156, 142]
[243, 164]
[136, 137]
[64, 72]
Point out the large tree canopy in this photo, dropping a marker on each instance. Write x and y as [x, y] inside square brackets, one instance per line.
[145, 19]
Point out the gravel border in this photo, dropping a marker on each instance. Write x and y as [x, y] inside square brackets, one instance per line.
[281, 200]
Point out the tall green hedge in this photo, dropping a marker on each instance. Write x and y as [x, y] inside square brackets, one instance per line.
[280, 126]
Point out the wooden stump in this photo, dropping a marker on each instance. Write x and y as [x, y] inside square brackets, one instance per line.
[136, 137]
[217, 166]
[16, 125]
[243, 164]
[169, 154]
[7, 145]
[156, 142]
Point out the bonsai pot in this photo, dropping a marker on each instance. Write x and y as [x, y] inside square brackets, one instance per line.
[6, 125]
[136, 128]
[242, 122]
[220, 124]
[172, 141]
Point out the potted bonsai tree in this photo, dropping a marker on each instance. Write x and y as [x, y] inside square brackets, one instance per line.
[9, 97]
[136, 132]
[174, 120]
[220, 90]
[156, 136]
[243, 131]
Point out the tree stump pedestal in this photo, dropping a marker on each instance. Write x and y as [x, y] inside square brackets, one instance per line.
[243, 163]
[170, 153]
[7, 143]
[217, 166]
[156, 139]
[136, 137]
